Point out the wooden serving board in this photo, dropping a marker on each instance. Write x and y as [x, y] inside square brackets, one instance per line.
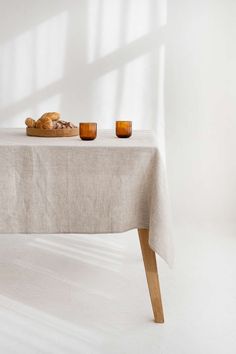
[52, 133]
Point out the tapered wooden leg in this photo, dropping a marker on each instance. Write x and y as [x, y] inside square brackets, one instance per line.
[150, 264]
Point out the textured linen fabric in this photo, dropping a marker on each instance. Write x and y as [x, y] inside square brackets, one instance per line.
[65, 185]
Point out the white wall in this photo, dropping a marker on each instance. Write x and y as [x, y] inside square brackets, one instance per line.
[201, 109]
[145, 60]
[91, 60]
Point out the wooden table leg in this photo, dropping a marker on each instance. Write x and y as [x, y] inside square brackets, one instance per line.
[150, 264]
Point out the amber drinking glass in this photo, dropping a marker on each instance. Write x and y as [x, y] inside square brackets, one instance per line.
[123, 129]
[88, 131]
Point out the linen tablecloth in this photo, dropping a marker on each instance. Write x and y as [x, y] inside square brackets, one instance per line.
[65, 185]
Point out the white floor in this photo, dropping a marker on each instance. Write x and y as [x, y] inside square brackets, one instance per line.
[88, 294]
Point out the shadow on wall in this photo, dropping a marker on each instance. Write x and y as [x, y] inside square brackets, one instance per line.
[92, 60]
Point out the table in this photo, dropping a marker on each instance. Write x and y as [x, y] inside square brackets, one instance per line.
[108, 185]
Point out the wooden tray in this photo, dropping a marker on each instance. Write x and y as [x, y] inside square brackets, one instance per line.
[52, 133]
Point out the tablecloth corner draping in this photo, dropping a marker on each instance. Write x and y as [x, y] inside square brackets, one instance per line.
[65, 185]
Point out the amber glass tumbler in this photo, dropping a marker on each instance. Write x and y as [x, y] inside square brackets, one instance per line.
[88, 131]
[123, 128]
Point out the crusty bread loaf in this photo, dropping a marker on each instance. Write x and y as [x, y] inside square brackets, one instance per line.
[44, 123]
[52, 115]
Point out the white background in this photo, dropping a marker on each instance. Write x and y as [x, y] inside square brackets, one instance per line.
[169, 66]
[151, 61]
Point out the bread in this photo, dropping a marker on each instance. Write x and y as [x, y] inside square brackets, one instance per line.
[30, 122]
[61, 124]
[44, 123]
[52, 115]
[49, 120]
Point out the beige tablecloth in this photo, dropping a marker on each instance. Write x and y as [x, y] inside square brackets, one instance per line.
[65, 185]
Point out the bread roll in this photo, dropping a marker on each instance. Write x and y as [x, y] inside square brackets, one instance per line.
[30, 122]
[52, 115]
[44, 123]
